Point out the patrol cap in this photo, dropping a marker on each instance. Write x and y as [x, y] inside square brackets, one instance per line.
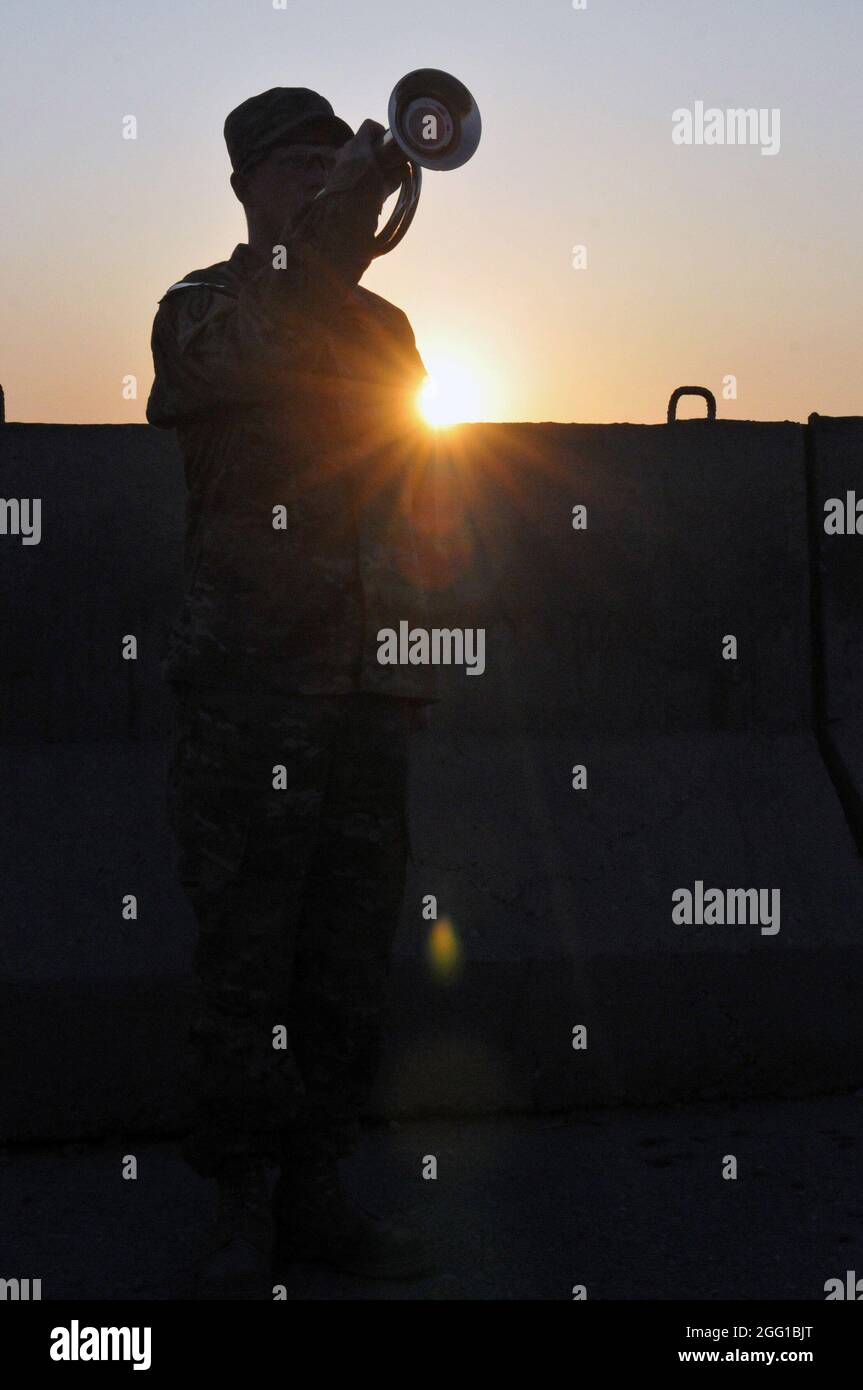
[278, 117]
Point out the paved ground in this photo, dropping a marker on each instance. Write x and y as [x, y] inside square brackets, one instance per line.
[630, 1203]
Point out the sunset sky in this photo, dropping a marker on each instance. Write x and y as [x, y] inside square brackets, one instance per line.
[702, 261]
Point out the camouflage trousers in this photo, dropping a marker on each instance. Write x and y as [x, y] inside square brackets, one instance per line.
[289, 815]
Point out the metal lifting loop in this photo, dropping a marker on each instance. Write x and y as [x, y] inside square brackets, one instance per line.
[702, 391]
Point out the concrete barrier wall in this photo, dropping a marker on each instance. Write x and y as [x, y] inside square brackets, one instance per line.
[692, 531]
[109, 563]
[604, 648]
[836, 458]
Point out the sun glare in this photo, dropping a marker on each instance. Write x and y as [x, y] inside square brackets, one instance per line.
[452, 392]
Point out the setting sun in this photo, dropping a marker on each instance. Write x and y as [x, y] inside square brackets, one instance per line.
[453, 391]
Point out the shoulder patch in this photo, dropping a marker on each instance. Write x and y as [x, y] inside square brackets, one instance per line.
[199, 284]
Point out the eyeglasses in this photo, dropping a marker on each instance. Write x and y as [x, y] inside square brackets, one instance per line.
[311, 158]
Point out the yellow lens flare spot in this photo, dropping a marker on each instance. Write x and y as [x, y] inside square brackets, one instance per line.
[443, 950]
[454, 391]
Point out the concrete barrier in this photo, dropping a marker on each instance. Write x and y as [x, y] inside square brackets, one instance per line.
[836, 460]
[603, 649]
[109, 563]
[694, 531]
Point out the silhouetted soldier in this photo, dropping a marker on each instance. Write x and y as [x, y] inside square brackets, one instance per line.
[292, 392]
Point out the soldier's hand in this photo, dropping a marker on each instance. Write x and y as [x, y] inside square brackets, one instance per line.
[357, 163]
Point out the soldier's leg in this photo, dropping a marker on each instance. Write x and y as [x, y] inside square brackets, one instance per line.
[242, 1086]
[350, 912]
[244, 852]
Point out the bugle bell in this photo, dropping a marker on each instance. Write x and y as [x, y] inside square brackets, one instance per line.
[434, 123]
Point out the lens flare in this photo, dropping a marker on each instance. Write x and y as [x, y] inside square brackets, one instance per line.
[454, 391]
[443, 951]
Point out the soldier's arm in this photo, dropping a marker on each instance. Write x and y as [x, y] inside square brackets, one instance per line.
[400, 364]
[412, 368]
[212, 350]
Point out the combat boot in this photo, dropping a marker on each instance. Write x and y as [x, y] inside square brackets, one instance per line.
[315, 1222]
[238, 1252]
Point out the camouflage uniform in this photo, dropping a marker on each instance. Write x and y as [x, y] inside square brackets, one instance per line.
[290, 388]
[297, 893]
[309, 409]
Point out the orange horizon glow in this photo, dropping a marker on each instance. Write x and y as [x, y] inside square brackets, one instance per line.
[455, 391]
[577, 269]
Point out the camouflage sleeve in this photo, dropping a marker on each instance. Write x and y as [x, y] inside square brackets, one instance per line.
[414, 367]
[212, 350]
[407, 372]
[413, 373]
